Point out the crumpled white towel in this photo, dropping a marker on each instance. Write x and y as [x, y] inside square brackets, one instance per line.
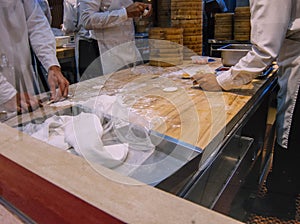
[112, 106]
[122, 116]
[82, 132]
[51, 131]
[102, 104]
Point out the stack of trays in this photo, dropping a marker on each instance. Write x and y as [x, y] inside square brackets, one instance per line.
[223, 26]
[187, 14]
[164, 13]
[165, 45]
[242, 26]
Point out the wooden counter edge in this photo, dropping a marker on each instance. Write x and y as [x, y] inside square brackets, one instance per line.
[72, 189]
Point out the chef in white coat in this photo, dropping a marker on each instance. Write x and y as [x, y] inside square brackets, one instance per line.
[275, 34]
[23, 24]
[111, 24]
[86, 48]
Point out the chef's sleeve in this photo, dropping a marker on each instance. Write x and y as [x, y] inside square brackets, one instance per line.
[40, 34]
[92, 18]
[268, 30]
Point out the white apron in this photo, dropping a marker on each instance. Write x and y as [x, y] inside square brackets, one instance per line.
[113, 31]
[14, 43]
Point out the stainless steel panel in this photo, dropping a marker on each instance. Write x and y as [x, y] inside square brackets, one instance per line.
[213, 181]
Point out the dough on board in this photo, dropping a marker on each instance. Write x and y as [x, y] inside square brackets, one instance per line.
[170, 89]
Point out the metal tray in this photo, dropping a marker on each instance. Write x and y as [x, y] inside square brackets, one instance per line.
[232, 53]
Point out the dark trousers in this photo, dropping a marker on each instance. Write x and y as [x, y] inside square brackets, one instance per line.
[88, 51]
[285, 175]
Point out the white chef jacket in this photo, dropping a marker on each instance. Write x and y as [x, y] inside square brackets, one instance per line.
[71, 24]
[70, 16]
[275, 33]
[23, 22]
[113, 30]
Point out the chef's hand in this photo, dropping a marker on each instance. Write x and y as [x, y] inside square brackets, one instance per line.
[207, 82]
[148, 11]
[22, 102]
[137, 9]
[56, 79]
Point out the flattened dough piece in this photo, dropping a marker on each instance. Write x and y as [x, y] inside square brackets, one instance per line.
[170, 89]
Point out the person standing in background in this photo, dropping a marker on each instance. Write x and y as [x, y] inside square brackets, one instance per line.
[111, 24]
[86, 48]
[273, 36]
[22, 25]
[40, 82]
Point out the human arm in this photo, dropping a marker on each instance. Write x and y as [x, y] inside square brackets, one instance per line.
[93, 18]
[43, 44]
[57, 80]
[22, 102]
[268, 30]
[207, 82]
[11, 101]
[41, 38]
[137, 9]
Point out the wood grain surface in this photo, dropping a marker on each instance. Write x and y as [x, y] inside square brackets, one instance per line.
[191, 115]
[188, 114]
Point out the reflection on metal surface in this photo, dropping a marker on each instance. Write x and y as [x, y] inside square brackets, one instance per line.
[166, 165]
[213, 180]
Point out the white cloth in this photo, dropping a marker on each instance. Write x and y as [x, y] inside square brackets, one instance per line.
[113, 30]
[101, 105]
[273, 35]
[83, 133]
[112, 107]
[51, 131]
[129, 127]
[21, 23]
